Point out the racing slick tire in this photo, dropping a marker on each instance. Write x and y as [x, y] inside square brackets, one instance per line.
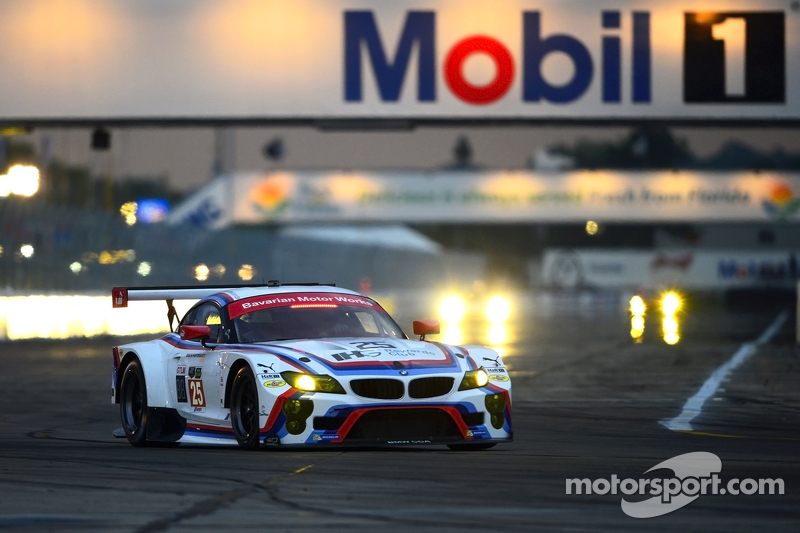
[244, 409]
[471, 447]
[133, 404]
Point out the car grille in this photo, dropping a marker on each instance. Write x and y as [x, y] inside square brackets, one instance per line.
[430, 387]
[383, 425]
[381, 389]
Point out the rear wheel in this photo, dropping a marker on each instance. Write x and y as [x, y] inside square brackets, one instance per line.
[133, 404]
[471, 447]
[244, 409]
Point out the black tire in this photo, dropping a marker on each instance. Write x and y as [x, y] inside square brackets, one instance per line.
[471, 447]
[133, 404]
[244, 409]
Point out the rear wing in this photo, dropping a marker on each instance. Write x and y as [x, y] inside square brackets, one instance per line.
[120, 296]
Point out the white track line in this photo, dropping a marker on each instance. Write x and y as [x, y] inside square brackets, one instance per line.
[694, 405]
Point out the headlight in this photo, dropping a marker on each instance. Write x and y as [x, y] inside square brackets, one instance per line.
[474, 379]
[312, 382]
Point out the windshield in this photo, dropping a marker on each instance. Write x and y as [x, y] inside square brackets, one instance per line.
[310, 316]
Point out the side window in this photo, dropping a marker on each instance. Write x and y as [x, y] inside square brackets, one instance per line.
[205, 315]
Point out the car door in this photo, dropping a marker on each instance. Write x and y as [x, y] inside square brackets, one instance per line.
[196, 390]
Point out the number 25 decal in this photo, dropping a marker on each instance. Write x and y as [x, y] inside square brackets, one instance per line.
[196, 396]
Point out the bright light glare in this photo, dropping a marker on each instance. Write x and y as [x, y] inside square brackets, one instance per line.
[21, 179]
[201, 272]
[247, 272]
[26, 250]
[1, 251]
[497, 334]
[219, 270]
[498, 310]
[144, 269]
[128, 210]
[76, 267]
[452, 310]
[592, 227]
[671, 338]
[670, 325]
[670, 304]
[637, 322]
[452, 335]
[61, 317]
[481, 377]
[637, 306]
[305, 382]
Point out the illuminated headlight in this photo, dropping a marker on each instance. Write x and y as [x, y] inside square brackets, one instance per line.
[312, 382]
[452, 309]
[474, 379]
[670, 304]
[498, 310]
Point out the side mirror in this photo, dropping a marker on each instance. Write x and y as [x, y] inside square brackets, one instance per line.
[190, 333]
[425, 327]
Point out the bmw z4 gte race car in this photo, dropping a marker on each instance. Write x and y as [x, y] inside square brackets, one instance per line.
[307, 365]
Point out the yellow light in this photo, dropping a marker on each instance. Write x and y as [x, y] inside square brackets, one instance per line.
[452, 310]
[592, 227]
[498, 310]
[637, 322]
[76, 267]
[1, 251]
[247, 272]
[21, 179]
[497, 334]
[637, 306]
[128, 210]
[218, 270]
[26, 250]
[306, 382]
[144, 269]
[481, 377]
[201, 272]
[670, 304]
[671, 338]
[452, 335]
[670, 325]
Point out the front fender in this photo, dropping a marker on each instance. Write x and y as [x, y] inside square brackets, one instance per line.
[154, 358]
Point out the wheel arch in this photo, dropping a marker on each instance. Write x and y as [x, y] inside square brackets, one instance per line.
[154, 367]
[234, 369]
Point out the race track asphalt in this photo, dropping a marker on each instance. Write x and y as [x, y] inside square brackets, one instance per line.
[587, 404]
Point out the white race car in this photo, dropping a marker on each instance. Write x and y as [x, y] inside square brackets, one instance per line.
[307, 365]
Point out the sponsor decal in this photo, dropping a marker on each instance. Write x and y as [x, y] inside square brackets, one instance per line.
[268, 377]
[267, 366]
[275, 383]
[496, 360]
[181, 371]
[193, 355]
[498, 377]
[180, 388]
[495, 370]
[360, 354]
[241, 307]
[362, 345]
[272, 440]
[197, 396]
[409, 442]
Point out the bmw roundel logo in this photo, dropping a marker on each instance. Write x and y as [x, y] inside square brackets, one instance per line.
[404, 372]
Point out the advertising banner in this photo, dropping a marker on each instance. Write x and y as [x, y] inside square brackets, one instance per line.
[464, 197]
[400, 59]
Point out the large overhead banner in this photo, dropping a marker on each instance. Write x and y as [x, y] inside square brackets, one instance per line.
[464, 197]
[400, 59]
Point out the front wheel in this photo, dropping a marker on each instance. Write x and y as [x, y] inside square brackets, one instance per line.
[244, 409]
[133, 404]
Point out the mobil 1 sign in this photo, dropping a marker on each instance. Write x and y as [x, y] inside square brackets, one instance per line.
[407, 59]
[576, 60]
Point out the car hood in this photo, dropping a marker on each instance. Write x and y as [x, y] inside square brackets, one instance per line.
[375, 354]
